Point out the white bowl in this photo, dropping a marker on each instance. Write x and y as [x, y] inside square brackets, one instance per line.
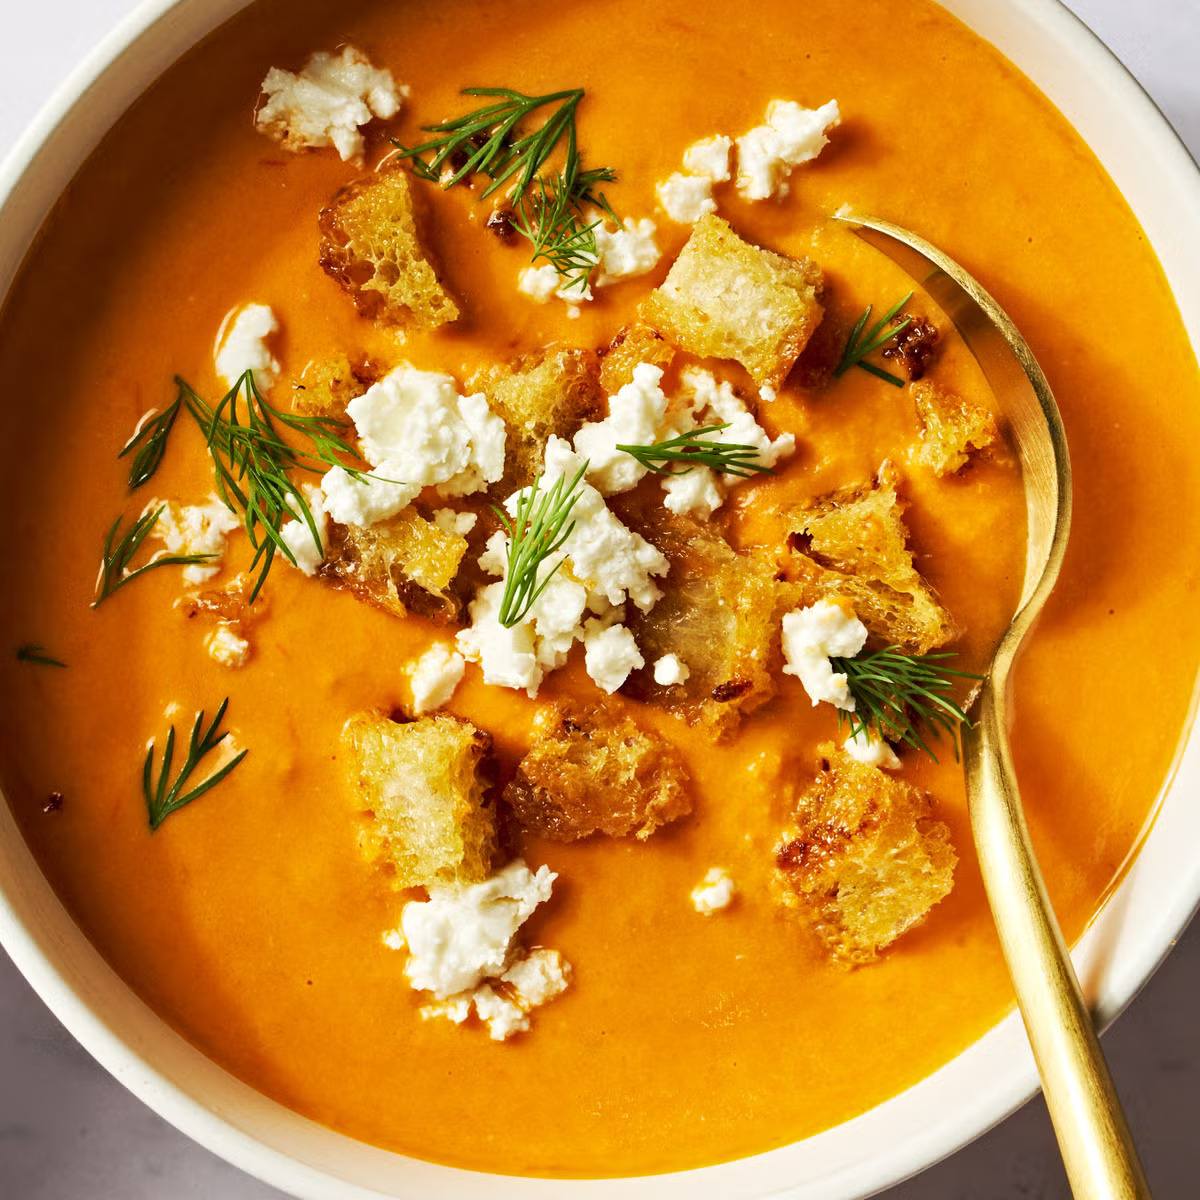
[1119, 952]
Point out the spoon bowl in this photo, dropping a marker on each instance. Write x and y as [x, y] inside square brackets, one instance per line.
[1097, 1149]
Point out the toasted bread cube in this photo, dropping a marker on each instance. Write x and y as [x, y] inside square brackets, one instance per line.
[407, 562]
[724, 298]
[370, 244]
[421, 788]
[636, 343]
[952, 429]
[593, 770]
[853, 544]
[327, 385]
[552, 392]
[866, 860]
[720, 615]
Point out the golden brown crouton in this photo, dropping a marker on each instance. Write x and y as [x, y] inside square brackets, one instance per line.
[421, 789]
[724, 298]
[854, 544]
[552, 392]
[866, 860]
[632, 345]
[952, 429]
[371, 246]
[406, 562]
[327, 385]
[592, 770]
[720, 614]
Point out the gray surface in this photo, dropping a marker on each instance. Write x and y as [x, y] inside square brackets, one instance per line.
[68, 1131]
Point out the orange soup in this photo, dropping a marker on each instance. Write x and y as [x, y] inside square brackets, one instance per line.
[261, 919]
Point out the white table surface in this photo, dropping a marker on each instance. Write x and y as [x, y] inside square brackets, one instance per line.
[69, 1132]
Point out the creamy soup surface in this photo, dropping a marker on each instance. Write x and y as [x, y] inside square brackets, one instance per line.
[250, 920]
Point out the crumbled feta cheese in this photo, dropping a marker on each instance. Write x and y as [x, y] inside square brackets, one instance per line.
[502, 1016]
[607, 557]
[227, 646]
[414, 426]
[695, 491]
[635, 416]
[610, 654]
[393, 939]
[714, 892]
[464, 933]
[791, 136]
[686, 198]
[449, 520]
[327, 102]
[532, 981]
[868, 747]
[709, 157]
[671, 670]
[297, 536]
[456, 1009]
[767, 393]
[814, 635]
[507, 654]
[626, 252]
[242, 345]
[544, 283]
[194, 529]
[434, 676]
[363, 500]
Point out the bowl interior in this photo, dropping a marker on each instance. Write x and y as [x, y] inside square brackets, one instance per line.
[1115, 957]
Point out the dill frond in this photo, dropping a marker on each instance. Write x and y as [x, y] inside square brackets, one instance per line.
[864, 341]
[726, 458]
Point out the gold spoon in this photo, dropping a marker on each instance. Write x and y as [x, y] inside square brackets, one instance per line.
[1097, 1149]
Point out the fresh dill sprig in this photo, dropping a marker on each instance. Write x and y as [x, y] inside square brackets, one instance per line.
[897, 694]
[252, 463]
[726, 458]
[164, 797]
[149, 440]
[864, 341]
[31, 652]
[549, 207]
[120, 551]
[539, 528]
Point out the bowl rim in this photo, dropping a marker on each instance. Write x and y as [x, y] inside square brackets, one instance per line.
[1111, 983]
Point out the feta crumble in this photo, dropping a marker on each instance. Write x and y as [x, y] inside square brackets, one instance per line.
[327, 102]
[226, 646]
[242, 345]
[709, 157]
[533, 980]
[364, 500]
[298, 537]
[686, 198]
[635, 415]
[194, 529]
[610, 654]
[814, 635]
[450, 520]
[544, 283]
[434, 677]
[626, 252]
[671, 670]
[714, 892]
[792, 135]
[866, 746]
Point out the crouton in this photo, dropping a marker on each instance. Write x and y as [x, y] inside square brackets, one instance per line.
[592, 770]
[632, 345]
[853, 544]
[724, 298]
[552, 392]
[420, 787]
[866, 860]
[952, 429]
[327, 385]
[371, 246]
[407, 562]
[720, 615]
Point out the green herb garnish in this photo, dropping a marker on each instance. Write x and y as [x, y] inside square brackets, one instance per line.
[864, 341]
[163, 797]
[548, 205]
[120, 551]
[149, 440]
[31, 652]
[726, 458]
[896, 694]
[252, 461]
[538, 530]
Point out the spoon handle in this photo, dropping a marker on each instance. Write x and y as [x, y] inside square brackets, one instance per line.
[1097, 1148]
